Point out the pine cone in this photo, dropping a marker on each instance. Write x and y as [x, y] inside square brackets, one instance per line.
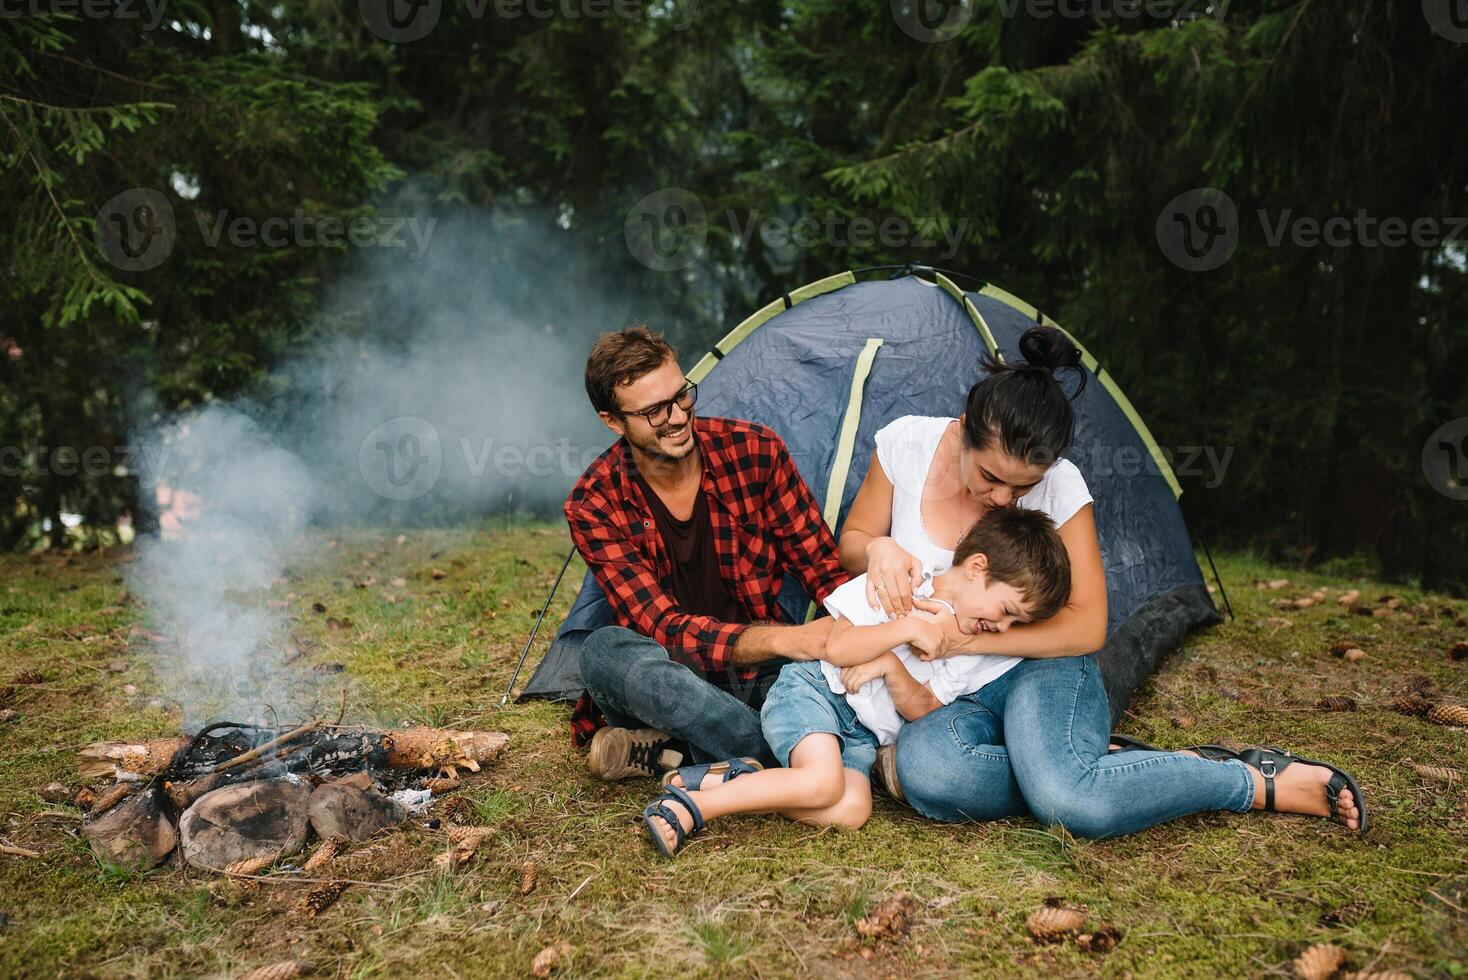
[457, 810]
[550, 959]
[1355, 911]
[1319, 962]
[438, 787]
[27, 677]
[1437, 774]
[1458, 651]
[322, 897]
[251, 866]
[467, 836]
[1423, 686]
[1410, 704]
[325, 854]
[890, 920]
[1335, 703]
[529, 875]
[1051, 924]
[1339, 649]
[284, 970]
[1377, 975]
[1448, 714]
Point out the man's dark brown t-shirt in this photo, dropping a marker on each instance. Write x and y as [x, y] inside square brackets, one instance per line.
[697, 586]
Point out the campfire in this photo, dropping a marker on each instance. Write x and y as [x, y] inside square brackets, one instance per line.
[238, 795]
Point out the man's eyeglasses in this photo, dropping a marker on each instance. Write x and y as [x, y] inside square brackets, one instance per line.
[662, 411]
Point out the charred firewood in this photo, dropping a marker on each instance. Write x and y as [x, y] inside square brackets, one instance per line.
[182, 793]
[442, 749]
[128, 760]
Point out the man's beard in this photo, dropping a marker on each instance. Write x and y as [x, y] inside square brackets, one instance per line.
[653, 444]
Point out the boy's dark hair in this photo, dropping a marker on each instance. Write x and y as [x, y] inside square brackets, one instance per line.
[620, 357]
[1024, 550]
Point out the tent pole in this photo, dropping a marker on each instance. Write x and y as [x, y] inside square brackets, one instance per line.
[538, 620]
[1217, 578]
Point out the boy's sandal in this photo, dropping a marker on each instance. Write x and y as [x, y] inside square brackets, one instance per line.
[1270, 762]
[659, 808]
[693, 776]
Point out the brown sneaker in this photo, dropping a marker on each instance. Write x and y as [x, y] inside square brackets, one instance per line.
[886, 772]
[617, 753]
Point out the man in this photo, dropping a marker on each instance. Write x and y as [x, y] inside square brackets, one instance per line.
[689, 526]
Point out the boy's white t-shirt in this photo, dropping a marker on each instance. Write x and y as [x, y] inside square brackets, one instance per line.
[948, 678]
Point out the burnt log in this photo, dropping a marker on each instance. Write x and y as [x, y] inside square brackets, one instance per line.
[128, 760]
[262, 818]
[442, 749]
[342, 810]
[134, 834]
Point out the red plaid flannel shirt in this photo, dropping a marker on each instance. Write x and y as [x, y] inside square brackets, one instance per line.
[765, 523]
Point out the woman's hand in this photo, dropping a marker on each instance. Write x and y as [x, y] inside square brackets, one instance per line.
[855, 678]
[944, 638]
[892, 574]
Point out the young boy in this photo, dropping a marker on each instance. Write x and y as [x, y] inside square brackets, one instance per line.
[825, 719]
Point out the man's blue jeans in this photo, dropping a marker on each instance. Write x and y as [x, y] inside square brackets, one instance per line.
[635, 684]
[1035, 741]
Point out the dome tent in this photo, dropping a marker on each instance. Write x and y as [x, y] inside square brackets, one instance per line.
[829, 364]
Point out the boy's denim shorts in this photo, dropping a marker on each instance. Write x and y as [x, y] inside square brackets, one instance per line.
[802, 704]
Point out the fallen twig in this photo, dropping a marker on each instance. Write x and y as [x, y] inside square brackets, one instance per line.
[275, 743]
[18, 851]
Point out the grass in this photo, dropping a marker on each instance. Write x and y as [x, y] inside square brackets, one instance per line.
[1213, 894]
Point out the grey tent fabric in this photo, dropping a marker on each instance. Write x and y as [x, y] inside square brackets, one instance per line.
[794, 373]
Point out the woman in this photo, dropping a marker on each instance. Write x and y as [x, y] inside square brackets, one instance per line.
[1036, 739]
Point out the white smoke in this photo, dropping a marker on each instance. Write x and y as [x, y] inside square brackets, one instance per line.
[442, 389]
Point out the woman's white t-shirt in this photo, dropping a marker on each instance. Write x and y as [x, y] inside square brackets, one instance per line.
[906, 448]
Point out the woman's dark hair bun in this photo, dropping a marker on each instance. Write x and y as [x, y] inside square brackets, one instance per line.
[1050, 350]
[1021, 404]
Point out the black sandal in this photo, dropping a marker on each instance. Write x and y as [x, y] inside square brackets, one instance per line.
[1270, 762]
[1124, 744]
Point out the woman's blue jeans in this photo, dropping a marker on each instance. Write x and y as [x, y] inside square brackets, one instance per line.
[1035, 741]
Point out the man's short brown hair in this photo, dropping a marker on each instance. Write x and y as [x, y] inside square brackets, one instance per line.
[619, 358]
[1024, 550]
